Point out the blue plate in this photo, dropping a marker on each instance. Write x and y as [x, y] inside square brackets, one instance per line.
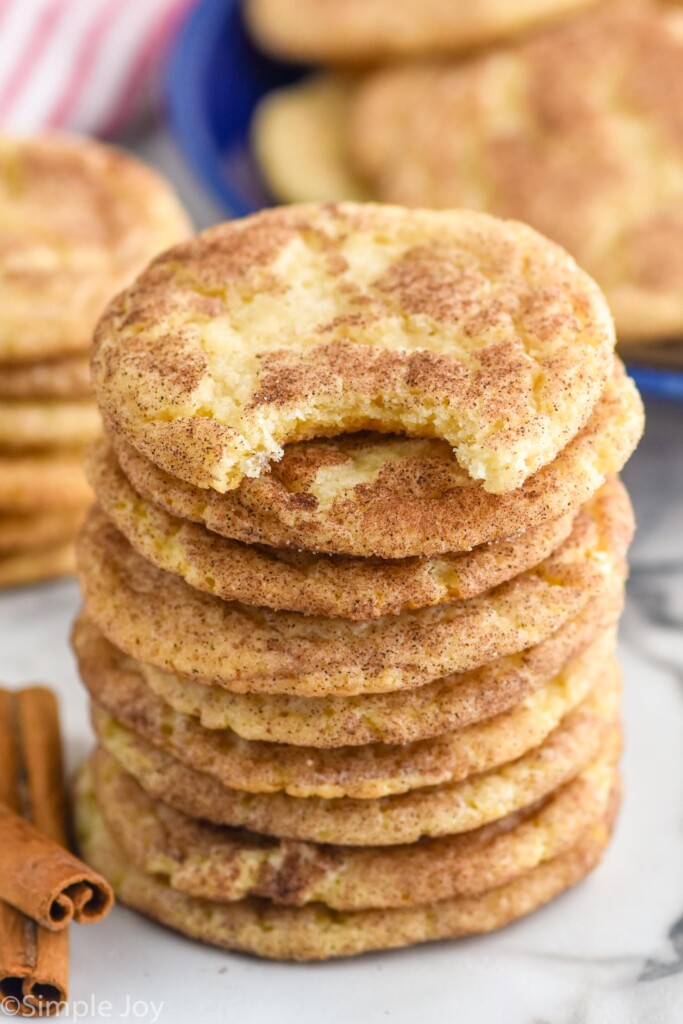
[215, 79]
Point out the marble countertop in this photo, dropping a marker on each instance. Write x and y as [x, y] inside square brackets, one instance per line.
[609, 951]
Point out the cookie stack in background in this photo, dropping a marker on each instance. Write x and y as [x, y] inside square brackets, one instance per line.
[573, 128]
[354, 690]
[79, 221]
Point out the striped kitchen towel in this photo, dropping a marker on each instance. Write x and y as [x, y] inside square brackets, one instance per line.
[81, 65]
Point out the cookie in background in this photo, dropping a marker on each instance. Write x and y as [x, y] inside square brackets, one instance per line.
[80, 220]
[367, 31]
[300, 141]
[573, 129]
[576, 131]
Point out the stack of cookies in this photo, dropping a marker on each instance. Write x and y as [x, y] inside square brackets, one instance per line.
[79, 221]
[352, 584]
[573, 128]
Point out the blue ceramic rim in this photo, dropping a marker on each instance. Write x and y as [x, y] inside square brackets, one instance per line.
[190, 125]
[658, 383]
[184, 89]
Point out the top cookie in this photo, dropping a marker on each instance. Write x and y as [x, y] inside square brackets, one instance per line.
[368, 30]
[318, 320]
[576, 131]
[78, 221]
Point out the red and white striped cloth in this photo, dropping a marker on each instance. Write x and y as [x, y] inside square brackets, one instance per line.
[80, 65]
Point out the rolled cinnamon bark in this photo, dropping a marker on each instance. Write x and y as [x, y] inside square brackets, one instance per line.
[34, 961]
[34, 966]
[45, 881]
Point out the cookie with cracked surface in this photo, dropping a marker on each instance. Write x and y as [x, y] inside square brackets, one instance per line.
[453, 702]
[79, 221]
[316, 584]
[223, 864]
[143, 611]
[322, 319]
[396, 497]
[315, 933]
[440, 810]
[367, 772]
[575, 131]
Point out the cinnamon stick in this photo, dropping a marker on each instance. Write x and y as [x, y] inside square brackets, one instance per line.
[45, 881]
[34, 961]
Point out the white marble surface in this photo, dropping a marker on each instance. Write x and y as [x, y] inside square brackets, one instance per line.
[609, 952]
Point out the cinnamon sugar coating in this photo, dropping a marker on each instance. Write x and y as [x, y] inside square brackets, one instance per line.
[576, 131]
[396, 497]
[78, 220]
[319, 320]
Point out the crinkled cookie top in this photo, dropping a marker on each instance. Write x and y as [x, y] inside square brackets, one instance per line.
[78, 221]
[318, 320]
